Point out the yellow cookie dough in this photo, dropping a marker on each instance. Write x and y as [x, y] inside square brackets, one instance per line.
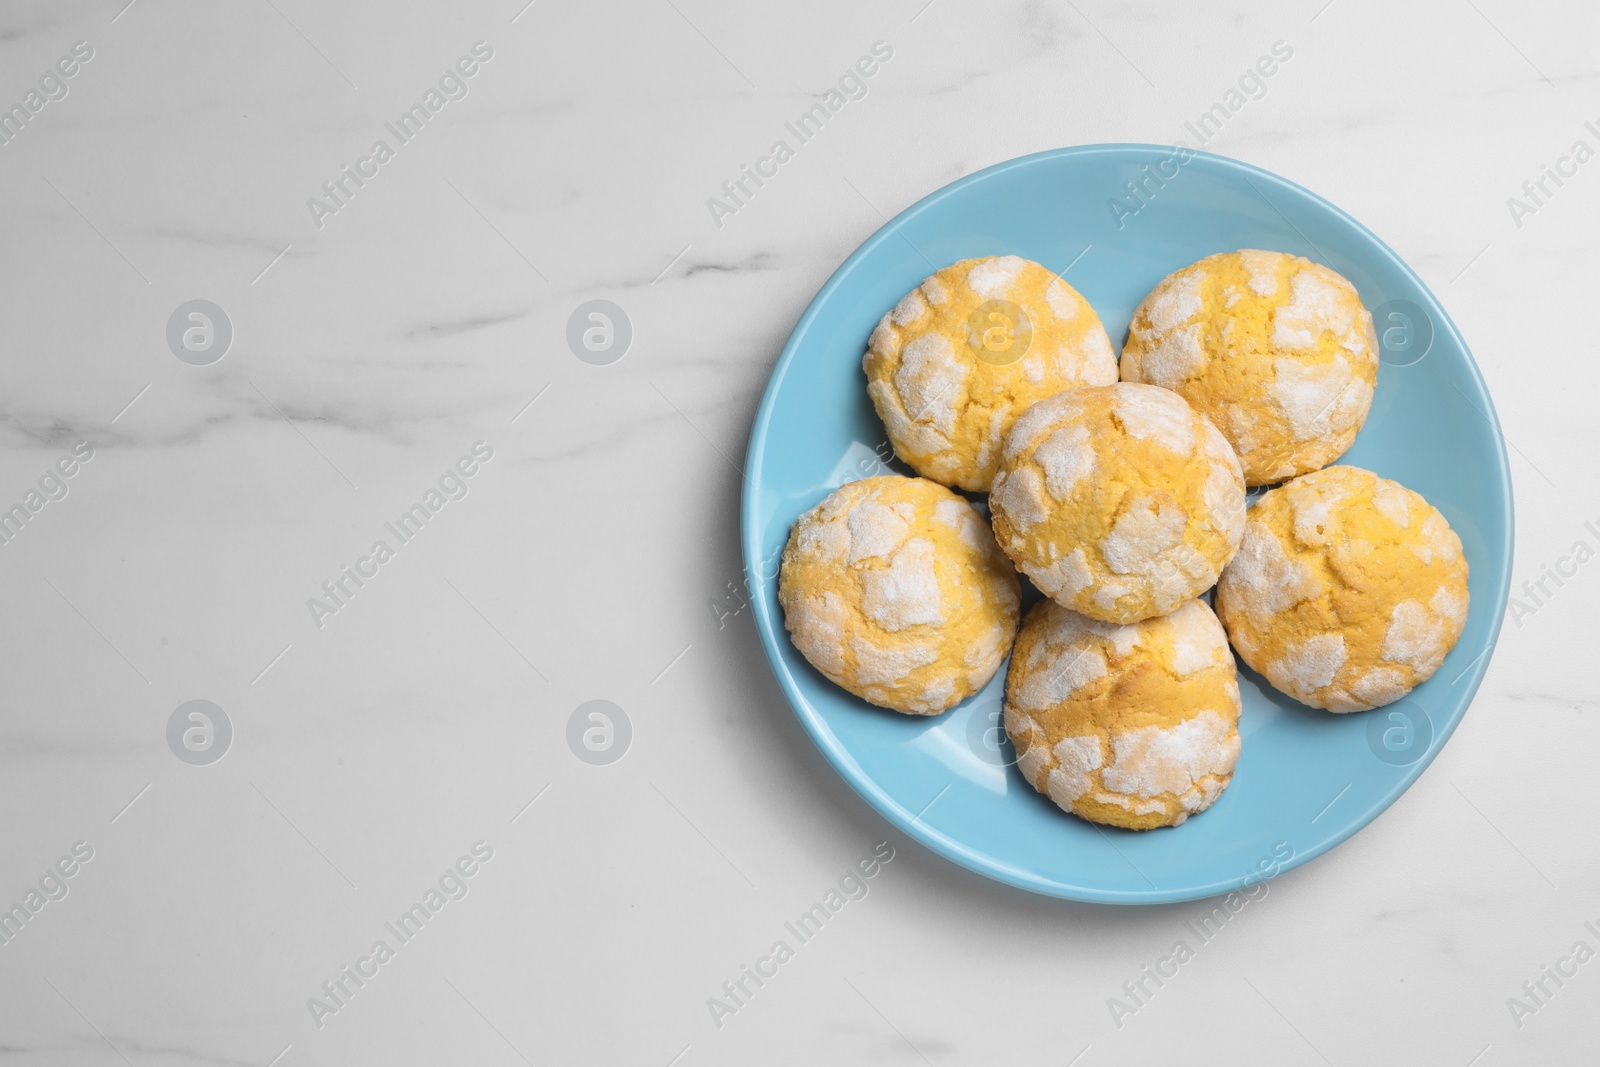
[894, 588]
[967, 351]
[1348, 590]
[1134, 726]
[1119, 501]
[1275, 349]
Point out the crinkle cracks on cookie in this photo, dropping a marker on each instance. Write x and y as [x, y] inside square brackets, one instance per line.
[971, 348]
[1348, 590]
[1130, 725]
[1120, 502]
[894, 589]
[1277, 350]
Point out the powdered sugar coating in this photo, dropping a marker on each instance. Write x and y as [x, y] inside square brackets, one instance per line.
[1157, 415]
[1277, 350]
[1450, 603]
[1130, 725]
[992, 278]
[1063, 300]
[1150, 760]
[911, 308]
[1267, 579]
[963, 518]
[929, 381]
[1348, 590]
[1198, 640]
[1416, 637]
[1392, 501]
[826, 540]
[1318, 303]
[1308, 665]
[1175, 301]
[1308, 394]
[1091, 362]
[1380, 686]
[1174, 358]
[1077, 758]
[1150, 526]
[1313, 504]
[1119, 501]
[876, 529]
[1064, 578]
[945, 396]
[1047, 688]
[906, 593]
[1263, 268]
[1022, 495]
[894, 589]
[1067, 459]
[878, 665]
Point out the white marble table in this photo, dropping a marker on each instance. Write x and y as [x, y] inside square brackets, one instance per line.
[377, 742]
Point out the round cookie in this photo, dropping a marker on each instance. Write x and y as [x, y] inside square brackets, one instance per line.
[1134, 726]
[1275, 349]
[1348, 590]
[1119, 501]
[894, 588]
[967, 351]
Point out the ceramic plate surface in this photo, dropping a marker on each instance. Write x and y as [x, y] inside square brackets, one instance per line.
[1306, 780]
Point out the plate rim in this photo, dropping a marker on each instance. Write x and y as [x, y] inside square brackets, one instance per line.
[840, 758]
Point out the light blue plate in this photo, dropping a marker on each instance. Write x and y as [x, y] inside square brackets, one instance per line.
[1306, 780]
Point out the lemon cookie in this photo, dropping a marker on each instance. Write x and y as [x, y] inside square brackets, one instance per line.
[1120, 501]
[1277, 350]
[967, 351]
[1348, 590]
[1134, 726]
[894, 588]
